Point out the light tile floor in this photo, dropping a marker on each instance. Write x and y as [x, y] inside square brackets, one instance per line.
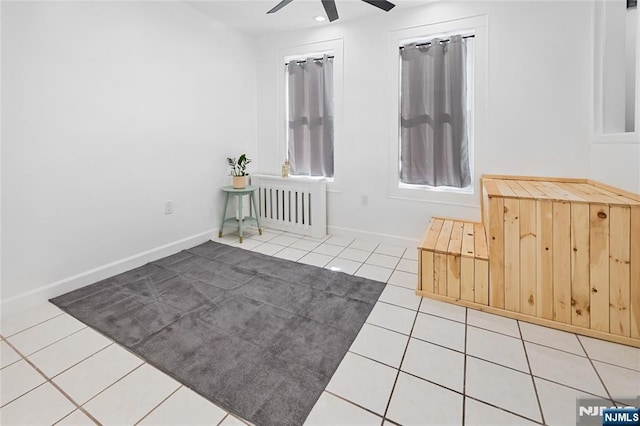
[415, 361]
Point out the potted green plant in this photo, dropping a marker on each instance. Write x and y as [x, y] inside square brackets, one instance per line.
[239, 170]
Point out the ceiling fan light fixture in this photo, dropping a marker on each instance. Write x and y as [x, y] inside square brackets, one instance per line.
[332, 11]
[319, 18]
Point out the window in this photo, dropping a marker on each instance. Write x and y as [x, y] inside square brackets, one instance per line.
[310, 116]
[435, 112]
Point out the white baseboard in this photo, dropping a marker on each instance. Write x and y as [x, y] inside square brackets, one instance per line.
[39, 295]
[373, 236]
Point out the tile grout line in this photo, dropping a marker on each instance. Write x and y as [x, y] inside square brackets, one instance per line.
[111, 385]
[395, 382]
[223, 419]
[464, 368]
[606, 389]
[373, 359]
[159, 404]
[533, 381]
[364, 262]
[525, 340]
[34, 325]
[615, 365]
[82, 360]
[52, 383]
[440, 386]
[505, 410]
[354, 403]
[58, 341]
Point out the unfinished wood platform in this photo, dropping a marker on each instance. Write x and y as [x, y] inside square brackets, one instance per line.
[454, 260]
[564, 253]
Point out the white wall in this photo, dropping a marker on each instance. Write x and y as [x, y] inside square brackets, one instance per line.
[109, 109]
[538, 106]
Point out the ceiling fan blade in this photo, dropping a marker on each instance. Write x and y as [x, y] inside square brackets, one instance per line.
[381, 4]
[330, 8]
[279, 6]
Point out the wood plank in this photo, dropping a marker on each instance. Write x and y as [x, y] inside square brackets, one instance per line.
[562, 262]
[484, 204]
[627, 194]
[496, 252]
[599, 266]
[455, 241]
[426, 280]
[535, 320]
[544, 259]
[528, 240]
[550, 192]
[505, 189]
[433, 232]
[453, 260]
[531, 189]
[517, 189]
[566, 191]
[468, 240]
[481, 281]
[480, 241]
[535, 178]
[593, 195]
[442, 244]
[491, 187]
[576, 189]
[420, 272]
[580, 265]
[467, 278]
[440, 273]
[635, 272]
[512, 254]
[619, 271]
[467, 262]
[622, 199]
[453, 276]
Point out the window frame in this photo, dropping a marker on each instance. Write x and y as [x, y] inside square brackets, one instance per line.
[315, 49]
[467, 196]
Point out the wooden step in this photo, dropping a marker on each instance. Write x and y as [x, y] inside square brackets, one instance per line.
[453, 260]
[558, 252]
[565, 250]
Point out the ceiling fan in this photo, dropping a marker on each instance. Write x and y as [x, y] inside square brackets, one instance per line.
[332, 11]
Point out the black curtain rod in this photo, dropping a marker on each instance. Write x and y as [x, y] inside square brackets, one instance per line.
[401, 47]
[441, 41]
[313, 59]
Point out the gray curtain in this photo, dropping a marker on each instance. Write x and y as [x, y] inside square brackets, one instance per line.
[433, 122]
[310, 121]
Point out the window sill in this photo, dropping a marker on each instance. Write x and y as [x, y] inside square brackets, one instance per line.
[469, 190]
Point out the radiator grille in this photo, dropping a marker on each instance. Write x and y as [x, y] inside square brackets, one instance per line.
[292, 204]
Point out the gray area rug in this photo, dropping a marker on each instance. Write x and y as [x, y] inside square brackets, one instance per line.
[257, 335]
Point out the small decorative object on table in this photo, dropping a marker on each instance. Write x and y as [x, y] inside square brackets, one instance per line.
[239, 170]
[285, 168]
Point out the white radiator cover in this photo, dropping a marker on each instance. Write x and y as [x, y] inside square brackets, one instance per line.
[294, 204]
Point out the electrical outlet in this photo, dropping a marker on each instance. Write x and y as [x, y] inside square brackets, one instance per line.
[364, 200]
[168, 207]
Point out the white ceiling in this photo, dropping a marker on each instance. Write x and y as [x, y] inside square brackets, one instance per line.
[250, 15]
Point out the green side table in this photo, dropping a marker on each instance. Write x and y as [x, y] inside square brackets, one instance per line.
[230, 191]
